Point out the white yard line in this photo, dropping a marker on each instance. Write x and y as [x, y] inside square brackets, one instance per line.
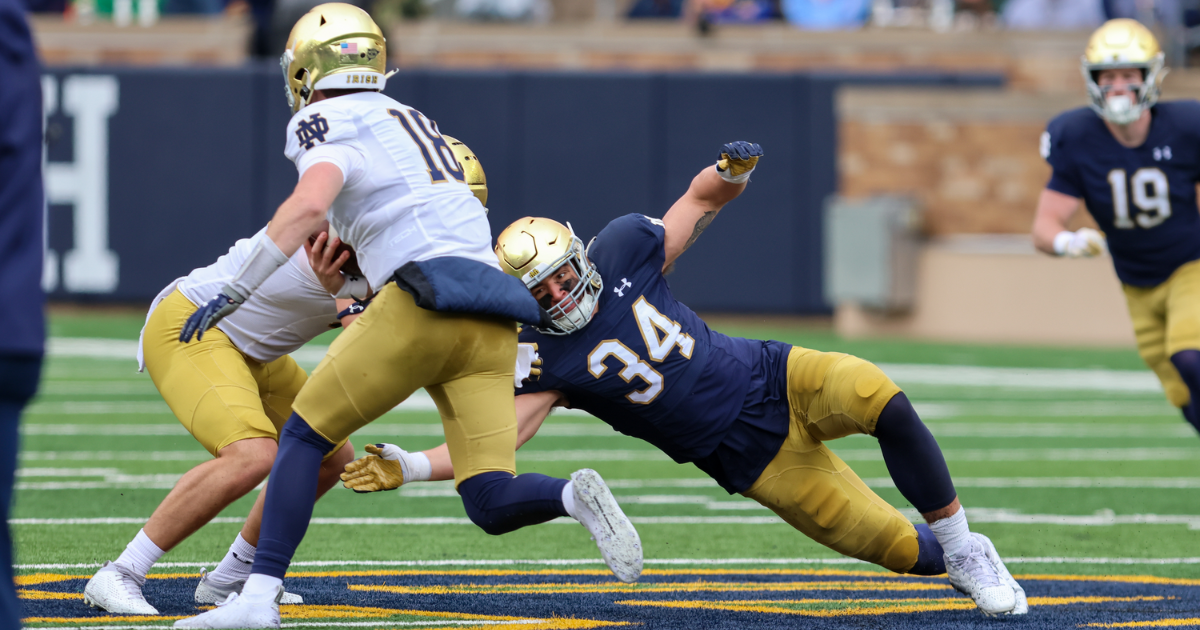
[1182, 453]
[1130, 381]
[113, 478]
[599, 562]
[599, 429]
[1101, 518]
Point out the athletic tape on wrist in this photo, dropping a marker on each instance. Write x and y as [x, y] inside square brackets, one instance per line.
[740, 179]
[260, 264]
[353, 288]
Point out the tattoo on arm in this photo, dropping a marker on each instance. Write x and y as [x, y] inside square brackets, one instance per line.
[701, 225]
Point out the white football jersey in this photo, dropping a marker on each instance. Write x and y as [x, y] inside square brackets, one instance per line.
[404, 198]
[286, 312]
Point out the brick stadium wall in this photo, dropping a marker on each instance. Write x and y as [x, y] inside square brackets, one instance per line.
[969, 156]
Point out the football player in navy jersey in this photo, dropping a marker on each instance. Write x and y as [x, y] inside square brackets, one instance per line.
[753, 415]
[1134, 163]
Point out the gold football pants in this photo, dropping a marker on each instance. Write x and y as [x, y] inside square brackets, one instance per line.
[833, 395]
[219, 394]
[464, 361]
[1166, 319]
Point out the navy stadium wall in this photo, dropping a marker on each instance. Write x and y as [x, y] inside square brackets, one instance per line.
[151, 173]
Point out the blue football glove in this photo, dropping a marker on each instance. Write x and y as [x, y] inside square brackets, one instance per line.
[737, 160]
[207, 316]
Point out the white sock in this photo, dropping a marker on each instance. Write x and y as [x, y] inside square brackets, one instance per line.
[140, 554]
[952, 532]
[261, 588]
[568, 499]
[237, 562]
[419, 468]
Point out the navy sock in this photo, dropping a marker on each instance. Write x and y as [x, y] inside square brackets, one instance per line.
[931, 559]
[291, 494]
[1188, 364]
[500, 503]
[913, 457]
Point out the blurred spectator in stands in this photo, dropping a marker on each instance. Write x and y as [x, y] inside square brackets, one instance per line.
[705, 13]
[46, 6]
[1060, 15]
[203, 7]
[827, 15]
[504, 10]
[22, 211]
[656, 9]
[1148, 12]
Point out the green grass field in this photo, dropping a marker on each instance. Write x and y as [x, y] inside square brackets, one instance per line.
[1060, 455]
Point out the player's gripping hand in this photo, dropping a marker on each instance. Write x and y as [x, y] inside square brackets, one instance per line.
[383, 468]
[529, 364]
[1082, 243]
[737, 160]
[207, 316]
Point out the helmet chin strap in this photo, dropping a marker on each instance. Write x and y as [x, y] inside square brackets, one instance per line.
[1121, 110]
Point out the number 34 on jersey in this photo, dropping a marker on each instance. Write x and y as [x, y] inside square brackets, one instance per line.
[661, 336]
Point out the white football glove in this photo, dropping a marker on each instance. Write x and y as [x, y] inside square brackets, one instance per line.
[1082, 243]
[529, 364]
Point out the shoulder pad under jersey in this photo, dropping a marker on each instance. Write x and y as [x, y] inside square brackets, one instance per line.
[325, 122]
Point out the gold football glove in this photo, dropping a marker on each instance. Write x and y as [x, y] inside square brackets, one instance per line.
[737, 160]
[381, 469]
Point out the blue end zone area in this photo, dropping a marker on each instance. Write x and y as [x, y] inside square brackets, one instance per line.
[665, 598]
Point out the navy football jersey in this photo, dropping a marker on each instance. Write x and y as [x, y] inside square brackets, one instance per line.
[1144, 199]
[652, 369]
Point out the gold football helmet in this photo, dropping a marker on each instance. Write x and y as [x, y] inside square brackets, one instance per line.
[1123, 43]
[532, 249]
[471, 167]
[333, 46]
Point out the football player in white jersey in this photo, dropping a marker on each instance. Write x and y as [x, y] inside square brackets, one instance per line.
[232, 392]
[442, 317]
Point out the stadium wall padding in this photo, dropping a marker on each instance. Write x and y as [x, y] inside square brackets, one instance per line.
[195, 161]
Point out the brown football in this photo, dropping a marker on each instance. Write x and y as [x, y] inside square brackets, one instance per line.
[350, 267]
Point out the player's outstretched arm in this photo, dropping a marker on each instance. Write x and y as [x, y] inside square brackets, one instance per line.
[714, 187]
[1050, 233]
[387, 466]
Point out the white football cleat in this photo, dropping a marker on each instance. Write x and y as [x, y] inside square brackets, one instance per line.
[237, 612]
[118, 590]
[211, 591]
[1022, 606]
[598, 511]
[974, 575]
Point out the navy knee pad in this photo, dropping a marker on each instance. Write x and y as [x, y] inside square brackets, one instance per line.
[913, 457]
[931, 559]
[500, 503]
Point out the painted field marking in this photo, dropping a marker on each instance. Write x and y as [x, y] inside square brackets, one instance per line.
[1023, 378]
[707, 562]
[844, 607]
[114, 478]
[115, 456]
[1142, 381]
[599, 429]
[1100, 518]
